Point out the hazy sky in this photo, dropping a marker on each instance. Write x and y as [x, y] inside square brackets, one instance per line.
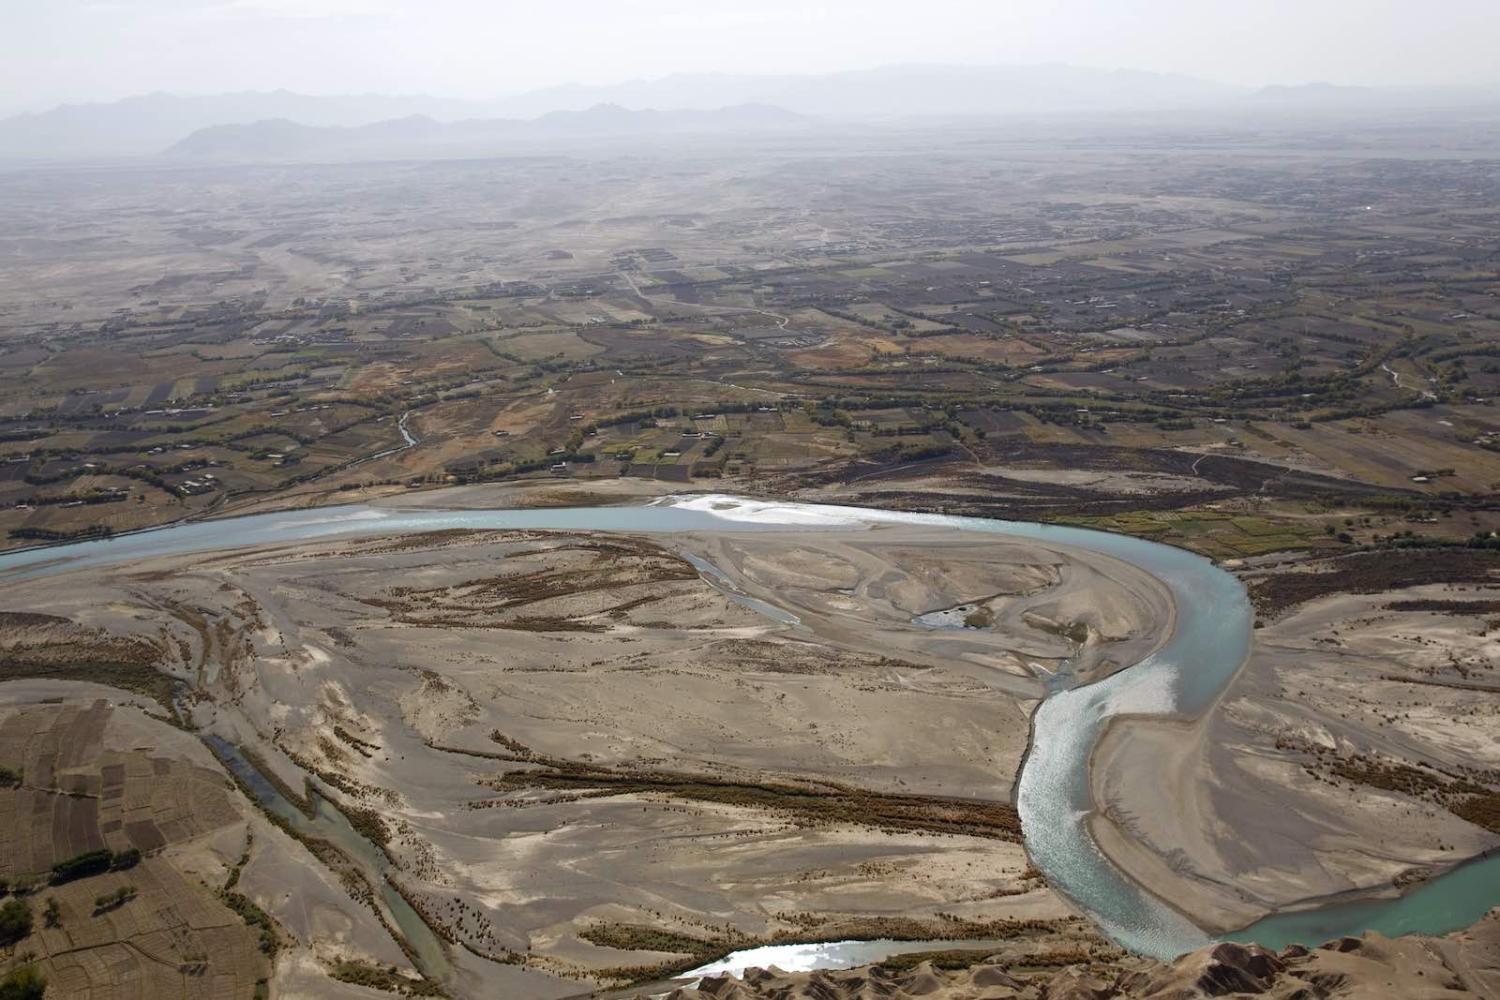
[69, 50]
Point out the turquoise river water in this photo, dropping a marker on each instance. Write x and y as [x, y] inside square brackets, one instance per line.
[1187, 673]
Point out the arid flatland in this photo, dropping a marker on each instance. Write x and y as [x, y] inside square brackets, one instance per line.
[555, 762]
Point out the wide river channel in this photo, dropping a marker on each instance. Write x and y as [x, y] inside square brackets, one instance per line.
[1186, 674]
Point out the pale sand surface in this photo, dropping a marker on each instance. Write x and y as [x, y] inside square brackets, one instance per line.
[1241, 812]
[375, 660]
[861, 590]
[387, 664]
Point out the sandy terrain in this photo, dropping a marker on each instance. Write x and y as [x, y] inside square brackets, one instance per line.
[1330, 765]
[557, 734]
[1029, 600]
[592, 759]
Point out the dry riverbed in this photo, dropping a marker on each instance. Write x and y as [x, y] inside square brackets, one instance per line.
[590, 764]
[1355, 752]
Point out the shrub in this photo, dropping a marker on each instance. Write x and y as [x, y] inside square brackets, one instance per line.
[24, 982]
[15, 920]
[94, 863]
[111, 900]
[82, 866]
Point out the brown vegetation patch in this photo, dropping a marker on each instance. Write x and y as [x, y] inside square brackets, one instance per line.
[1446, 607]
[47, 646]
[1468, 796]
[1481, 810]
[821, 804]
[385, 979]
[514, 599]
[786, 657]
[640, 937]
[1049, 943]
[441, 538]
[1374, 573]
[1397, 776]
[29, 619]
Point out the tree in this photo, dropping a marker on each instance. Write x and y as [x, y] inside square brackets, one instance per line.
[24, 982]
[15, 921]
[52, 913]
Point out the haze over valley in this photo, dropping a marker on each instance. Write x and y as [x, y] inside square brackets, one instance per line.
[745, 502]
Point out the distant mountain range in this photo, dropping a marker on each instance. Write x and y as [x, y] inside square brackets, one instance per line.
[900, 91]
[420, 135]
[150, 124]
[146, 125]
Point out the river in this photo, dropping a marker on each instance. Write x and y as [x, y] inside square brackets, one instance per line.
[327, 823]
[1209, 641]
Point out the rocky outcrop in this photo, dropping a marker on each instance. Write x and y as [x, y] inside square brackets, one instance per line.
[1461, 965]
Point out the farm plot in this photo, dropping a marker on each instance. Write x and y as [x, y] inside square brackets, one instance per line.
[82, 828]
[74, 796]
[166, 938]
